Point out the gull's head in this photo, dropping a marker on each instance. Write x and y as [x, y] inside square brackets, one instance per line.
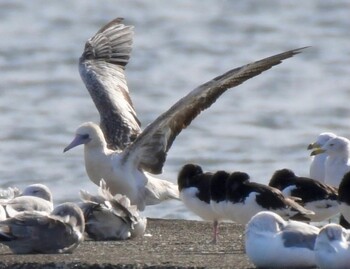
[38, 190]
[332, 232]
[72, 214]
[266, 222]
[87, 133]
[335, 146]
[322, 139]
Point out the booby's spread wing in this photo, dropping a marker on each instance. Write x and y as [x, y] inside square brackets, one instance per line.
[149, 150]
[101, 68]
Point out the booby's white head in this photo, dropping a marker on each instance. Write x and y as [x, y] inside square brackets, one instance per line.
[88, 133]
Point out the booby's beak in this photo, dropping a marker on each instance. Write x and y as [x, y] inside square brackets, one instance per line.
[78, 140]
[317, 151]
[314, 145]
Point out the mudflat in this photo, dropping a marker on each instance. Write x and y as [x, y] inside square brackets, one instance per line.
[167, 244]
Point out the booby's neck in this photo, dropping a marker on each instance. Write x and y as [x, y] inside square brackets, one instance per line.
[97, 159]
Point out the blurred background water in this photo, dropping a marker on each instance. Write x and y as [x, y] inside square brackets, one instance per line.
[260, 126]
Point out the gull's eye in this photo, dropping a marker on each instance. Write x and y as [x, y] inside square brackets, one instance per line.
[85, 136]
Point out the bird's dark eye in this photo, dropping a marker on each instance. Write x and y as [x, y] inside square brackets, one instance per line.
[85, 136]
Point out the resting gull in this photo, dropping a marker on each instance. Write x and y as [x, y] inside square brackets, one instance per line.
[110, 217]
[35, 197]
[315, 195]
[332, 249]
[317, 165]
[32, 232]
[337, 163]
[128, 170]
[272, 242]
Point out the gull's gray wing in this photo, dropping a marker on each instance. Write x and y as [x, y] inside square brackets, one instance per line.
[301, 235]
[31, 232]
[27, 203]
[101, 68]
[150, 148]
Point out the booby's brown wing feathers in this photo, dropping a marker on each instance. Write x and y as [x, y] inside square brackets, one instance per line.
[149, 150]
[101, 68]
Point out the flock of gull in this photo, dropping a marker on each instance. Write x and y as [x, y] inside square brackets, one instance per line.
[284, 219]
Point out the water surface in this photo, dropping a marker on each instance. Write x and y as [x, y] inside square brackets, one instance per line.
[260, 126]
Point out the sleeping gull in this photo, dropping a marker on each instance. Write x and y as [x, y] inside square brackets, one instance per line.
[32, 232]
[110, 217]
[272, 242]
[332, 249]
[315, 196]
[194, 188]
[244, 199]
[337, 163]
[35, 197]
[317, 165]
[127, 170]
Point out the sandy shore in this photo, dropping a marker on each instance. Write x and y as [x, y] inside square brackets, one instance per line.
[171, 244]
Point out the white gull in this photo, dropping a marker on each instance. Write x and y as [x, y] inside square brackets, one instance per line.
[35, 197]
[128, 170]
[337, 163]
[317, 165]
[272, 242]
[332, 249]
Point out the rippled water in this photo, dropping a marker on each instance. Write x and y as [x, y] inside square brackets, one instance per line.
[263, 125]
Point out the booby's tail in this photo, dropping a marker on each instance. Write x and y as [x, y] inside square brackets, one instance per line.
[158, 190]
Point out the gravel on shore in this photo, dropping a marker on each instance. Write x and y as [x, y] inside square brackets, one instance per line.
[167, 244]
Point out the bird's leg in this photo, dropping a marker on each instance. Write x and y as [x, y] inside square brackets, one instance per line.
[215, 231]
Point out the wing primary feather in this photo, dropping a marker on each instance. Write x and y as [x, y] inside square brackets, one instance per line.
[149, 150]
[101, 68]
